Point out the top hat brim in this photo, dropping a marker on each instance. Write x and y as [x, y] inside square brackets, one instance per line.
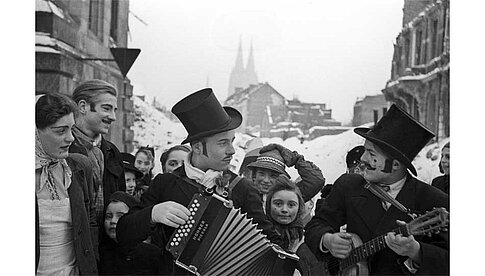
[388, 148]
[268, 166]
[234, 122]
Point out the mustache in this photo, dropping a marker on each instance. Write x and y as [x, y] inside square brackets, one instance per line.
[368, 166]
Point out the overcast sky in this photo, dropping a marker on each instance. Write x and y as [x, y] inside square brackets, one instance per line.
[320, 51]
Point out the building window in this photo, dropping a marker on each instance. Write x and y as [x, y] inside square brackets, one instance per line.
[417, 54]
[113, 32]
[434, 38]
[96, 12]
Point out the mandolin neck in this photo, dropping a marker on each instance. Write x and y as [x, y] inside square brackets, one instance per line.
[369, 248]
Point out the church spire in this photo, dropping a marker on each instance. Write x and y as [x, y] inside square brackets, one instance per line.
[237, 80]
[251, 76]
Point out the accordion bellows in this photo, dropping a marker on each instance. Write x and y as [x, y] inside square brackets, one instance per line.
[219, 240]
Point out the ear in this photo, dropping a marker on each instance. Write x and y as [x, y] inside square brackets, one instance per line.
[396, 165]
[197, 148]
[83, 107]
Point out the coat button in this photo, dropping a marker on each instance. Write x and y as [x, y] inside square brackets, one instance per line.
[86, 252]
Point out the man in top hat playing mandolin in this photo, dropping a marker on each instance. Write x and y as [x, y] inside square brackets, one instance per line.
[390, 146]
[211, 131]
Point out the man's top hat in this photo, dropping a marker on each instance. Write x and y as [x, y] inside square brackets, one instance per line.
[353, 156]
[398, 134]
[129, 164]
[202, 115]
[270, 160]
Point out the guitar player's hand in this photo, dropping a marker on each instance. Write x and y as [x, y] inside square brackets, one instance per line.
[404, 246]
[170, 213]
[339, 244]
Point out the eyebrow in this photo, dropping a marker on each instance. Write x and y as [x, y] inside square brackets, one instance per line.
[59, 127]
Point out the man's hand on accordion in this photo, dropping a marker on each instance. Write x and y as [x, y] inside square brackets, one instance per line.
[170, 213]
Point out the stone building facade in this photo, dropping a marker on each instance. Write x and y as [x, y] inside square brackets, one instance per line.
[68, 33]
[368, 109]
[420, 74]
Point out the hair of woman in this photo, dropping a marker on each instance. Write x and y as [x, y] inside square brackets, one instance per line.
[51, 107]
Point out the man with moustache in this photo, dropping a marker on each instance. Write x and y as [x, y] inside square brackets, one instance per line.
[390, 146]
[211, 132]
[96, 110]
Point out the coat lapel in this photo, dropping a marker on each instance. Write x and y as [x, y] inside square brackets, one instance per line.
[369, 208]
[406, 198]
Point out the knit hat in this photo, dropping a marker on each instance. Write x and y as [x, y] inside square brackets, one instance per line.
[270, 160]
[127, 199]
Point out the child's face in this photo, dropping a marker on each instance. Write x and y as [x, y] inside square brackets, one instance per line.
[130, 182]
[265, 179]
[114, 212]
[284, 207]
[143, 163]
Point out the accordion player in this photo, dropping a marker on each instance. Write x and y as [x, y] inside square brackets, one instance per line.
[219, 240]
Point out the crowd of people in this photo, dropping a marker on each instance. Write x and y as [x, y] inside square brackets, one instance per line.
[102, 211]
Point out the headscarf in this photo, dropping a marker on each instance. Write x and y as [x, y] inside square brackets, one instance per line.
[54, 172]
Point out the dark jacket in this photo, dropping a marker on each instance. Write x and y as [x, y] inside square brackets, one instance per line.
[114, 174]
[135, 226]
[442, 182]
[143, 260]
[350, 203]
[312, 179]
[84, 227]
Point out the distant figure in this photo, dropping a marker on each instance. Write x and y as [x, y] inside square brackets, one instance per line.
[249, 158]
[173, 158]
[353, 160]
[442, 182]
[132, 174]
[145, 162]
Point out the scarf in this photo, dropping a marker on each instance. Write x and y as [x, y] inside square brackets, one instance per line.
[55, 173]
[207, 179]
[94, 151]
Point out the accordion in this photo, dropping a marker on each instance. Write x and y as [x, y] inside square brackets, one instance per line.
[219, 240]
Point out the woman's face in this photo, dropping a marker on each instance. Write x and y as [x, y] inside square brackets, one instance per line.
[175, 159]
[284, 206]
[445, 160]
[57, 138]
[114, 212]
[143, 163]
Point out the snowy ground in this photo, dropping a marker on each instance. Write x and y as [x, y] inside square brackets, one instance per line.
[327, 152]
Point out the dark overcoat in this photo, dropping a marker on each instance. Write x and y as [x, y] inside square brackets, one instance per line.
[83, 213]
[350, 203]
[114, 173]
[135, 226]
[442, 182]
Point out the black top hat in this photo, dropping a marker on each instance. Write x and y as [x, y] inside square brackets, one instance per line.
[399, 135]
[353, 156]
[202, 115]
[270, 160]
[129, 164]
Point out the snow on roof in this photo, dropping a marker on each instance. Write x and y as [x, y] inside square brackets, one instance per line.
[44, 39]
[48, 6]
[43, 49]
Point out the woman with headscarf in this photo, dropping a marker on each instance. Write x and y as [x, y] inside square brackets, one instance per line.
[66, 230]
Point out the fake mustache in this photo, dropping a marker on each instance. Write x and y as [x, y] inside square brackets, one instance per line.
[368, 166]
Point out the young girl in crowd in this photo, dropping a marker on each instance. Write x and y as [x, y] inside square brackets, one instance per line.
[286, 209]
[144, 162]
[132, 174]
[173, 158]
[65, 218]
[143, 260]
